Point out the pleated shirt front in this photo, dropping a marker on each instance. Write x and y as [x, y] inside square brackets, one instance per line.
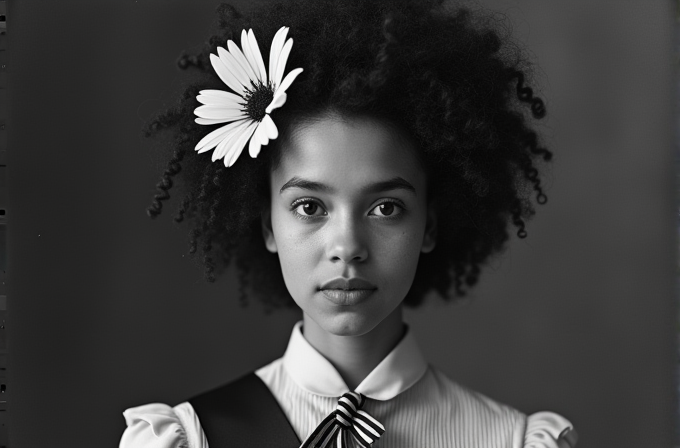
[418, 405]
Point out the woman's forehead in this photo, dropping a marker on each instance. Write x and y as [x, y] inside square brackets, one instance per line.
[345, 152]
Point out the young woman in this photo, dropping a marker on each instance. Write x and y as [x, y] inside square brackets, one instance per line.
[389, 152]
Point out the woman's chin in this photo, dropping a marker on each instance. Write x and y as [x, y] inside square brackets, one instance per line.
[347, 324]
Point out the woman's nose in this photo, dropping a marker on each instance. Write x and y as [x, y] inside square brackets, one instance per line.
[347, 241]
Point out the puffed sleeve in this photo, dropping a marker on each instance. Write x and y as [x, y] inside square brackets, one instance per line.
[549, 430]
[158, 425]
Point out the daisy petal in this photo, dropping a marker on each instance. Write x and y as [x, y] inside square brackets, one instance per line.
[255, 50]
[254, 145]
[219, 151]
[222, 94]
[212, 139]
[245, 45]
[218, 112]
[209, 121]
[278, 101]
[233, 66]
[277, 45]
[261, 134]
[229, 138]
[210, 100]
[225, 74]
[281, 63]
[238, 55]
[288, 80]
[270, 127]
[238, 144]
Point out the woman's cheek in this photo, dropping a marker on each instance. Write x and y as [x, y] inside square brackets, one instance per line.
[399, 242]
[299, 252]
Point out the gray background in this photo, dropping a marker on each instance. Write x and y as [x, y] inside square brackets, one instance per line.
[106, 311]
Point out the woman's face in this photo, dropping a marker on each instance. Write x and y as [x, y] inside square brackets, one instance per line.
[349, 219]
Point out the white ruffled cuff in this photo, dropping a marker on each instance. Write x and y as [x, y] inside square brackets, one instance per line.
[157, 425]
[549, 430]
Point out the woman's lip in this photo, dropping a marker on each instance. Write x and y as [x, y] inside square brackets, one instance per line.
[347, 297]
[343, 283]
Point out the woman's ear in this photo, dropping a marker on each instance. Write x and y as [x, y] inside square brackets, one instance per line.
[267, 231]
[430, 237]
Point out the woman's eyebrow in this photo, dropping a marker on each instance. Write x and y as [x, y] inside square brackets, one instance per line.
[296, 182]
[396, 183]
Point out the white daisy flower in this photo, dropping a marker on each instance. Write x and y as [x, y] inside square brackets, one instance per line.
[254, 96]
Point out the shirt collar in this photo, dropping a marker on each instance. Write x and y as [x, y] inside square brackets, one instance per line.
[398, 371]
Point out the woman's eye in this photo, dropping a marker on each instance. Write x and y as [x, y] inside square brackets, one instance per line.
[309, 209]
[386, 209]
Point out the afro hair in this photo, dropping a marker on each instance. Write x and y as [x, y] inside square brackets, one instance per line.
[450, 78]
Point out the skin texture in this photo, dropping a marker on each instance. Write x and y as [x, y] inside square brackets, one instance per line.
[343, 229]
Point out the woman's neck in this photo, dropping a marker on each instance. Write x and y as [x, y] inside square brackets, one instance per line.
[354, 357]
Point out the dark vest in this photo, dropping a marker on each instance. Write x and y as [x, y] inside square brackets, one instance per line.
[244, 414]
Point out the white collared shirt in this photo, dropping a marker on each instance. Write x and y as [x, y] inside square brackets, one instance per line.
[417, 404]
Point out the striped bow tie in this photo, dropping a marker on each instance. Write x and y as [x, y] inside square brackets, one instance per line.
[347, 419]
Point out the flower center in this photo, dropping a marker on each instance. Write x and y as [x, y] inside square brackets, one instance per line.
[257, 100]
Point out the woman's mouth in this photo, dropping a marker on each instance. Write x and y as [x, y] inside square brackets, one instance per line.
[347, 291]
[346, 297]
